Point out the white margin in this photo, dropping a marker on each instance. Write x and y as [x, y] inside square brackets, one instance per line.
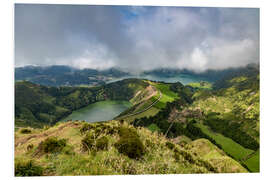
[7, 82]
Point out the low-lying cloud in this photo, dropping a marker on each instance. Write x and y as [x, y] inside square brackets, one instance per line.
[136, 38]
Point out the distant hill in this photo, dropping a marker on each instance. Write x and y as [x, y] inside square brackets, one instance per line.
[210, 74]
[65, 75]
[58, 75]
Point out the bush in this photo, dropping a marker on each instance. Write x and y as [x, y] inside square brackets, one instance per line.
[89, 143]
[25, 131]
[102, 143]
[86, 127]
[27, 169]
[130, 144]
[52, 145]
[170, 145]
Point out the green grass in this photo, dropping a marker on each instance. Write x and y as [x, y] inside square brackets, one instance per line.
[157, 158]
[253, 163]
[167, 95]
[199, 85]
[211, 153]
[144, 105]
[229, 146]
[150, 112]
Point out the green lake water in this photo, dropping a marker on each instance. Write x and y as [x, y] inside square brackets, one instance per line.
[99, 111]
[107, 110]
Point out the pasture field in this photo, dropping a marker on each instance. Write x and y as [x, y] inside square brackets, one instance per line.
[167, 94]
[201, 85]
[253, 163]
[229, 146]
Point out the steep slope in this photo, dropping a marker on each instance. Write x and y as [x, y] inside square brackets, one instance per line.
[112, 148]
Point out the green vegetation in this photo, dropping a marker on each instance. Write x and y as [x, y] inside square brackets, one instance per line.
[122, 149]
[233, 107]
[37, 105]
[59, 75]
[27, 168]
[166, 138]
[227, 115]
[253, 162]
[167, 95]
[51, 145]
[25, 131]
[228, 145]
[228, 127]
[130, 143]
[201, 85]
[153, 127]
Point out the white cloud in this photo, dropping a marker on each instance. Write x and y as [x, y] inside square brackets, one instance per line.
[102, 37]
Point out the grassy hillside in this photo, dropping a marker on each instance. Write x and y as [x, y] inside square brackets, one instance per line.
[163, 94]
[227, 114]
[233, 108]
[78, 148]
[232, 148]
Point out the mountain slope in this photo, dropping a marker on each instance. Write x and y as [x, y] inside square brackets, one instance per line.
[91, 149]
[227, 115]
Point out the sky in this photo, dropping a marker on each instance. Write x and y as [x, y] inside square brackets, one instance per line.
[136, 38]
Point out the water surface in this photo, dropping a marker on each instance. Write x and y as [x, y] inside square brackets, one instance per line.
[99, 111]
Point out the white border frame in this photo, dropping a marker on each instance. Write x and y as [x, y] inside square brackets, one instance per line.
[7, 82]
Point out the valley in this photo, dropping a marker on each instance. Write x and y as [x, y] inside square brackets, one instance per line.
[201, 127]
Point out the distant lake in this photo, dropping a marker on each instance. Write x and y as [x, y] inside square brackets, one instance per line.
[99, 111]
[183, 78]
[107, 110]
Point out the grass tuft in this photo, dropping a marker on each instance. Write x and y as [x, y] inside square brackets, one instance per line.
[27, 168]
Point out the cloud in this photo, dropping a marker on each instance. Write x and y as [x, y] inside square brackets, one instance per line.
[136, 38]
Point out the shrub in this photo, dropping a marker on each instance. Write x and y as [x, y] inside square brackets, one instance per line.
[25, 131]
[170, 145]
[102, 143]
[86, 127]
[68, 150]
[27, 169]
[88, 142]
[130, 143]
[51, 145]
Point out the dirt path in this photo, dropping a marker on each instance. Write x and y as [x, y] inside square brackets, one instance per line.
[23, 140]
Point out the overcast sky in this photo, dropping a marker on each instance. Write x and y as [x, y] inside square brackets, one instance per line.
[136, 38]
